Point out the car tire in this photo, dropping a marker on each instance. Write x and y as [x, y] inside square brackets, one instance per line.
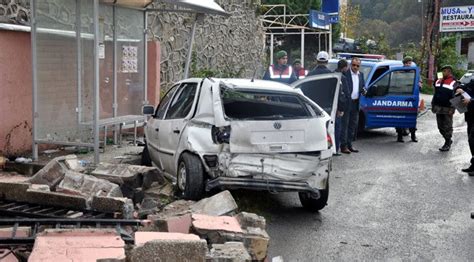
[190, 177]
[146, 160]
[312, 204]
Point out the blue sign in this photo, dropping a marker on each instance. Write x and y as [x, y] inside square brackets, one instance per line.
[333, 19]
[330, 6]
[318, 19]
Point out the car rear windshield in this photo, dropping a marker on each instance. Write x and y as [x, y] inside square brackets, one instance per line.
[264, 105]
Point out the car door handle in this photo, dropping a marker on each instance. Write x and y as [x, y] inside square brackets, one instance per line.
[176, 131]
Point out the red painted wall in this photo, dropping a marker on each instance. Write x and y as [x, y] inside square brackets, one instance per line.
[15, 93]
[16, 90]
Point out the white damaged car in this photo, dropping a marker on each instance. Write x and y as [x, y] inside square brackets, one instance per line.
[238, 133]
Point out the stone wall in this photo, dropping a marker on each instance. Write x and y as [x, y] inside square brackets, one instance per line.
[15, 11]
[231, 46]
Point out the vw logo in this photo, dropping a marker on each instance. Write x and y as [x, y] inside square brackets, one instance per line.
[277, 125]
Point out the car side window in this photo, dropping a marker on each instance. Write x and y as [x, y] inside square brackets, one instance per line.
[397, 83]
[182, 102]
[161, 109]
[402, 82]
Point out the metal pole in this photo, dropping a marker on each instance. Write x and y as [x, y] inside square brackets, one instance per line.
[96, 82]
[330, 40]
[115, 62]
[422, 18]
[34, 62]
[271, 49]
[145, 59]
[190, 50]
[79, 62]
[302, 47]
[319, 42]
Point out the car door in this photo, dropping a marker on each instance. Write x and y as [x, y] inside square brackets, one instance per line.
[392, 99]
[153, 126]
[175, 120]
[324, 91]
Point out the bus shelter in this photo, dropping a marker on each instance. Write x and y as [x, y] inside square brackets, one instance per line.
[89, 61]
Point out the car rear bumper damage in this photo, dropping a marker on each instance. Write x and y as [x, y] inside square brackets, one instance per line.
[260, 184]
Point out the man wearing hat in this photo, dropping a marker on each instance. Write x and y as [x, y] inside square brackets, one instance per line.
[444, 91]
[300, 72]
[280, 72]
[322, 59]
[407, 62]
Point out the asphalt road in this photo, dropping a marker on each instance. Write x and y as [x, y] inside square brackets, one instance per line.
[391, 201]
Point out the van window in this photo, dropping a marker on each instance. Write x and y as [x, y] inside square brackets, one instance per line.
[378, 72]
[396, 83]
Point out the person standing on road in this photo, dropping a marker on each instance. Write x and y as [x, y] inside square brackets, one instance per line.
[280, 72]
[469, 117]
[407, 62]
[343, 105]
[356, 84]
[444, 91]
[300, 71]
[322, 59]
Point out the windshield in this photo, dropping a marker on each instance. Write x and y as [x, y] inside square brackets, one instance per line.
[265, 105]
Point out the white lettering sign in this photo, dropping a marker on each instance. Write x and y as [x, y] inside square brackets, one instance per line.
[456, 18]
[392, 103]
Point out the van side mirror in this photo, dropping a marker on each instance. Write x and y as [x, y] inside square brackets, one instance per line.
[148, 110]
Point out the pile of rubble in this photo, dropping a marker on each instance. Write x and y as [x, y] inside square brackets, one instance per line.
[207, 230]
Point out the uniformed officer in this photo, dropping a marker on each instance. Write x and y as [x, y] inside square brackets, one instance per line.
[280, 72]
[469, 117]
[441, 106]
[300, 71]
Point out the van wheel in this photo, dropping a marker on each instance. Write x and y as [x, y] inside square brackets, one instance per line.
[146, 160]
[312, 204]
[190, 177]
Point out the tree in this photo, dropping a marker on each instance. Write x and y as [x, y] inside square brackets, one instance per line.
[296, 7]
[349, 19]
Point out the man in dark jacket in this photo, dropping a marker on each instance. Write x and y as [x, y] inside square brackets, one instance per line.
[322, 60]
[469, 117]
[280, 72]
[444, 91]
[342, 104]
[356, 86]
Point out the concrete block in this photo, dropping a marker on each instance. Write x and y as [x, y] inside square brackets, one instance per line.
[256, 241]
[51, 174]
[39, 187]
[217, 205]
[228, 252]
[72, 163]
[203, 224]
[88, 186]
[130, 174]
[56, 199]
[170, 250]
[113, 204]
[178, 224]
[251, 220]
[77, 245]
[142, 237]
[14, 191]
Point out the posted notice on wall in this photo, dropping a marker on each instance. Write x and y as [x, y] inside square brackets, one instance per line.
[129, 59]
[456, 19]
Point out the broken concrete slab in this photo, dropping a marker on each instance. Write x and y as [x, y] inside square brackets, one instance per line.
[251, 220]
[77, 245]
[228, 252]
[131, 174]
[113, 204]
[88, 186]
[177, 224]
[168, 248]
[51, 174]
[204, 224]
[217, 205]
[56, 199]
[72, 163]
[39, 187]
[13, 187]
[142, 237]
[256, 241]
[19, 232]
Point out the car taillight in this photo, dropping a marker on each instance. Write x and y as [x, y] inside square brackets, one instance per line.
[329, 139]
[221, 135]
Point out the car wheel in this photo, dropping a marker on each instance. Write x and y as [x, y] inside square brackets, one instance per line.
[190, 177]
[146, 160]
[313, 204]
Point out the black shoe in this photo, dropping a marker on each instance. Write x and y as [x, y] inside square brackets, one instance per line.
[345, 150]
[468, 170]
[446, 146]
[337, 154]
[413, 138]
[400, 138]
[353, 150]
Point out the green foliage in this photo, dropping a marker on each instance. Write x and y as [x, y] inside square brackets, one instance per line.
[448, 56]
[203, 72]
[296, 7]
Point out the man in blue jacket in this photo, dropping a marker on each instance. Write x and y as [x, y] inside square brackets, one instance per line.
[350, 120]
[281, 71]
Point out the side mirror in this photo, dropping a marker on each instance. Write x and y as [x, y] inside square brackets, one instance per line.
[148, 110]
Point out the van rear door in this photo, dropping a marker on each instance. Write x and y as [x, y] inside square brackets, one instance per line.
[392, 99]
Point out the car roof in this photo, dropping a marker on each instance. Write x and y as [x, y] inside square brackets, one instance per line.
[373, 62]
[266, 85]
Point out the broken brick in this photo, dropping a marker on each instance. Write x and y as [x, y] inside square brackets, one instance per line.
[178, 224]
[113, 204]
[51, 174]
[229, 252]
[251, 220]
[217, 205]
[204, 223]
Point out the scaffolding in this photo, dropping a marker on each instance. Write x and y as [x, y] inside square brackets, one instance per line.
[277, 21]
